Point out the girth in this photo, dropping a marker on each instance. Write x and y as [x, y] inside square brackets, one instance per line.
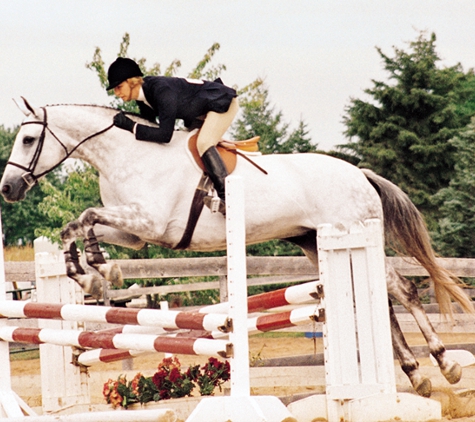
[229, 150]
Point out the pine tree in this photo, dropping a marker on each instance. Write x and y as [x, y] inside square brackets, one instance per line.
[402, 132]
[258, 118]
[456, 234]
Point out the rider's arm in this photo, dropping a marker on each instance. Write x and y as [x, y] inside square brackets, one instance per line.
[162, 134]
[166, 103]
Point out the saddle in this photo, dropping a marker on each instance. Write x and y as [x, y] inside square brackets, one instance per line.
[229, 150]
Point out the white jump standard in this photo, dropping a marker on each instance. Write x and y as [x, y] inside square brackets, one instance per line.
[359, 361]
[239, 406]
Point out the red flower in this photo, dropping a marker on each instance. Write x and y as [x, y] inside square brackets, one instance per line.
[159, 377]
[174, 375]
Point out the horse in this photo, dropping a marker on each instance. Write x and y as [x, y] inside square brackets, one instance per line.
[147, 188]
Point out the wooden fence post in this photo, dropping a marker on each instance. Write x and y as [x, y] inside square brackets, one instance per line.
[9, 401]
[63, 384]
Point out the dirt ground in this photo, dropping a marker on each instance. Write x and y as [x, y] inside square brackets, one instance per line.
[26, 382]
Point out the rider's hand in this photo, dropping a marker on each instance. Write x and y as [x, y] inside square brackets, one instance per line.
[123, 122]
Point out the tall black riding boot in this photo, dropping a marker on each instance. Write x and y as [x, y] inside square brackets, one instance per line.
[217, 172]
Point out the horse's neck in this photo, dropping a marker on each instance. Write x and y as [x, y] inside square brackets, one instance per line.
[114, 150]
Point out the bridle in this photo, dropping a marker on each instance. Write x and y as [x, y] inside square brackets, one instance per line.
[29, 177]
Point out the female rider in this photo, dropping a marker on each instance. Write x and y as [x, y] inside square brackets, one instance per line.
[209, 105]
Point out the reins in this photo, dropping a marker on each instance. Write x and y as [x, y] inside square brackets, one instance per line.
[29, 177]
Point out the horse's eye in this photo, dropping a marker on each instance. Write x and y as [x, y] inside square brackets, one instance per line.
[28, 140]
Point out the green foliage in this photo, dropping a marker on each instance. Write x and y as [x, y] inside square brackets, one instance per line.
[64, 203]
[260, 119]
[456, 234]
[402, 132]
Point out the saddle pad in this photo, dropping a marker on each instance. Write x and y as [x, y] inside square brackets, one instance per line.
[225, 148]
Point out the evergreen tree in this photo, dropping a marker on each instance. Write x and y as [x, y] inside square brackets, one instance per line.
[402, 132]
[456, 234]
[260, 119]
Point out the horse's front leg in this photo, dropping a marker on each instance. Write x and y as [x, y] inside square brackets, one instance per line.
[90, 283]
[95, 258]
[406, 293]
[119, 225]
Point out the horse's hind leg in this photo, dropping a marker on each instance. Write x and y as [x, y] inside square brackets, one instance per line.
[406, 358]
[405, 292]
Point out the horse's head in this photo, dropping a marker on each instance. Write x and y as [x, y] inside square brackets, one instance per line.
[27, 163]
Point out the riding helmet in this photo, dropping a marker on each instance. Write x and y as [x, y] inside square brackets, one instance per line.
[121, 70]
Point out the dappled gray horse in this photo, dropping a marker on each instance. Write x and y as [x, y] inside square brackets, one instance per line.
[147, 189]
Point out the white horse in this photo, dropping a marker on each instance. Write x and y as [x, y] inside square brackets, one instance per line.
[147, 189]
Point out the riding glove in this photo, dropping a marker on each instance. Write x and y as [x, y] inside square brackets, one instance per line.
[123, 122]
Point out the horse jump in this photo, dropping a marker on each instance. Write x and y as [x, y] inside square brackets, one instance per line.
[342, 395]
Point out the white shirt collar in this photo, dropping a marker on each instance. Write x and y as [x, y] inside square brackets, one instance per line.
[141, 97]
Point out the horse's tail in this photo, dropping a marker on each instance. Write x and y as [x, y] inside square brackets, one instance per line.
[405, 229]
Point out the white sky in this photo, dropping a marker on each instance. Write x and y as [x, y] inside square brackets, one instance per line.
[314, 54]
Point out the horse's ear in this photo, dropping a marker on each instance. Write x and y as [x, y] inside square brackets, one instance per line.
[25, 106]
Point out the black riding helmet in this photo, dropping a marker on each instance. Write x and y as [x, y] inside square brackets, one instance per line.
[121, 70]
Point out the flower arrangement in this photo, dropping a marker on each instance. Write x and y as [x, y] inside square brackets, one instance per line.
[168, 382]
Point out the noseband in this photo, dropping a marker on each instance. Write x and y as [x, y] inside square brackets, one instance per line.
[29, 177]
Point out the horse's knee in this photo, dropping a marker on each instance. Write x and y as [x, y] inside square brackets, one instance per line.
[90, 217]
[71, 231]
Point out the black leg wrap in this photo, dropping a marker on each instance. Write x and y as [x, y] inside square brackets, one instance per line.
[72, 257]
[409, 368]
[91, 246]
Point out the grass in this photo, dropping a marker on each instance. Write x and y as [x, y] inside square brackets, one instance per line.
[19, 253]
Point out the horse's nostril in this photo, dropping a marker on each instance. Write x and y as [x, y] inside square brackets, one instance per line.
[6, 189]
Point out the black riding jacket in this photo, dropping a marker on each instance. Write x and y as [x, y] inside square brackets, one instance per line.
[179, 98]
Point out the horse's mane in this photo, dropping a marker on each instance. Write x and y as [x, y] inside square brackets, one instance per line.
[82, 105]
[102, 107]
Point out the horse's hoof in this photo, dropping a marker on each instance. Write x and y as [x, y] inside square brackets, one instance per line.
[96, 289]
[112, 273]
[453, 374]
[115, 276]
[424, 389]
[91, 284]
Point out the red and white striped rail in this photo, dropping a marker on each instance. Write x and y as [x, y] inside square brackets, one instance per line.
[292, 295]
[276, 321]
[259, 324]
[112, 340]
[145, 317]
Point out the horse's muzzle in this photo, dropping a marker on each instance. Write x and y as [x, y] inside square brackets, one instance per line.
[14, 190]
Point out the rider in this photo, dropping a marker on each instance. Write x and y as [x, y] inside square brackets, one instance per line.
[209, 105]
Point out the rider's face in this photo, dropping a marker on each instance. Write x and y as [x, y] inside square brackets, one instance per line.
[123, 91]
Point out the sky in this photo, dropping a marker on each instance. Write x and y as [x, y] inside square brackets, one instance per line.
[314, 55]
